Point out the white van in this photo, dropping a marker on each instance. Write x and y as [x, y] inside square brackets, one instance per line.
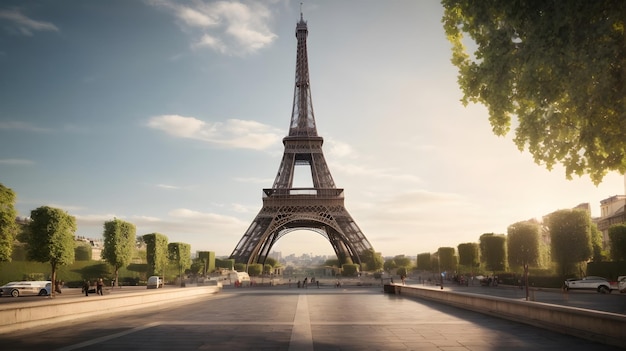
[155, 282]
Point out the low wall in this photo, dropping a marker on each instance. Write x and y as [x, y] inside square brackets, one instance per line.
[33, 314]
[604, 327]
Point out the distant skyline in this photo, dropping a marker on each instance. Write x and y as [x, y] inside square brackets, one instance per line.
[170, 115]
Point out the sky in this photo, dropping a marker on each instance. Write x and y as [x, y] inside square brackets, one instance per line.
[170, 115]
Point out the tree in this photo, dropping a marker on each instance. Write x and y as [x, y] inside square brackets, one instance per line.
[447, 259]
[468, 255]
[570, 238]
[8, 226]
[119, 243]
[397, 262]
[255, 269]
[493, 251]
[51, 238]
[617, 238]
[373, 260]
[83, 252]
[424, 261]
[558, 66]
[180, 254]
[208, 261]
[596, 244]
[523, 244]
[156, 253]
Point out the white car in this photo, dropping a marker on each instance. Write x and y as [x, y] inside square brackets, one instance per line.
[15, 289]
[599, 284]
[621, 283]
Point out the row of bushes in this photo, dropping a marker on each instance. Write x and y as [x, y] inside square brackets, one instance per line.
[76, 273]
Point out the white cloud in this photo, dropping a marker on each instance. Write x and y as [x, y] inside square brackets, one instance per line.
[228, 27]
[169, 187]
[233, 133]
[25, 25]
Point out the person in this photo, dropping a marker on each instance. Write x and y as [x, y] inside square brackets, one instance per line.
[99, 285]
[86, 287]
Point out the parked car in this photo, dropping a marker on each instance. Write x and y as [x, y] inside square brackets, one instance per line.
[621, 283]
[15, 289]
[599, 284]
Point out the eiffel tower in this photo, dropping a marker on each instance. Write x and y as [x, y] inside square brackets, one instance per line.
[285, 208]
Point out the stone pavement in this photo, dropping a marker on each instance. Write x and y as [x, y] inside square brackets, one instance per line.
[279, 318]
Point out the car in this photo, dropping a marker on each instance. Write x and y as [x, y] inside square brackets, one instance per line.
[599, 284]
[15, 289]
[154, 282]
[621, 283]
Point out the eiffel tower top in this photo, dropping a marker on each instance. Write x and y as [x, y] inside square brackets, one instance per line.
[302, 117]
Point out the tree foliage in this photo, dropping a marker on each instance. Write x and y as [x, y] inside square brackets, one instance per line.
[373, 260]
[469, 255]
[523, 243]
[255, 269]
[570, 238]
[83, 252]
[617, 237]
[51, 238]
[596, 244]
[8, 226]
[396, 262]
[180, 254]
[447, 259]
[156, 253]
[424, 261]
[119, 243]
[558, 66]
[493, 251]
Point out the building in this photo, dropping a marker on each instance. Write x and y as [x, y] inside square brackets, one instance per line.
[611, 212]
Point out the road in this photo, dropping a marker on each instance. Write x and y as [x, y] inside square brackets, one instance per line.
[282, 318]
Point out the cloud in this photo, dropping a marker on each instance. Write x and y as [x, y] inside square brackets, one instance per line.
[169, 187]
[228, 27]
[16, 162]
[24, 25]
[233, 133]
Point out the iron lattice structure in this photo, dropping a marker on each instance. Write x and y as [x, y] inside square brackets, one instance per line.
[285, 208]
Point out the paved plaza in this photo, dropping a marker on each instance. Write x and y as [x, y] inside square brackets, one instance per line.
[282, 318]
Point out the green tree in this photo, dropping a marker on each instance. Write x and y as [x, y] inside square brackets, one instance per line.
[255, 269]
[523, 243]
[208, 261]
[373, 260]
[424, 261]
[51, 238]
[493, 251]
[180, 255]
[557, 66]
[8, 226]
[468, 255]
[332, 263]
[570, 239]
[447, 259]
[156, 253]
[119, 243]
[617, 238]
[83, 252]
[596, 244]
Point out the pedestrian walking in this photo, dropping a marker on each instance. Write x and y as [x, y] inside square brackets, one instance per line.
[86, 287]
[99, 286]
